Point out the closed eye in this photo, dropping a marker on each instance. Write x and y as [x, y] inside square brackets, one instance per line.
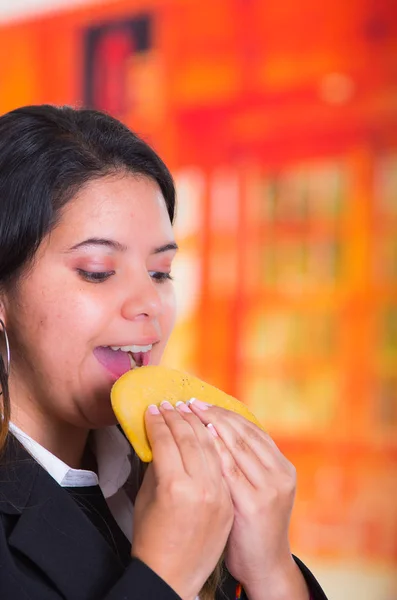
[160, 276]
[95, 276]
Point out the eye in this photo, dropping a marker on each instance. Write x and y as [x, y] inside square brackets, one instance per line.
[95, 276]
[160, 276]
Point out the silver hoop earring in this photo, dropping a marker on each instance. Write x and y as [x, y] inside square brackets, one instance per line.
[7, 347]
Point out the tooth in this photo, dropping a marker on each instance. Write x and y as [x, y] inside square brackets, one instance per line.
[132, 362]
[142, 348]
[136, 348]
[133, 348]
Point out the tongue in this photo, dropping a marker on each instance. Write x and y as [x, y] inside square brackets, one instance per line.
[115, 361]
[142, 359]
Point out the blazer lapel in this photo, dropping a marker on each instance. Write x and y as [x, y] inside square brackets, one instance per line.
[52, 531]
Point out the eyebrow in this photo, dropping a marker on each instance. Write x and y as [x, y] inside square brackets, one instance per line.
[166, 248]
[120, 247]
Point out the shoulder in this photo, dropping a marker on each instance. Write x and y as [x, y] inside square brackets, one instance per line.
[18, 471]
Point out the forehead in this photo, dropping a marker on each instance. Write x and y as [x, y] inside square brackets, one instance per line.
[124, 207]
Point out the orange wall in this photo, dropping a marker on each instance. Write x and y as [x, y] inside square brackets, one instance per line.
[279, 121]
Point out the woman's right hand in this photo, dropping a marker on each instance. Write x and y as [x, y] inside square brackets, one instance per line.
[183, 512]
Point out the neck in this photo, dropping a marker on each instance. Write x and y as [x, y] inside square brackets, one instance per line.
[65, 441]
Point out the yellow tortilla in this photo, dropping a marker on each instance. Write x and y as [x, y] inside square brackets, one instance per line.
[136, 390]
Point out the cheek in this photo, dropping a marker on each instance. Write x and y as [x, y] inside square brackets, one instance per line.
[61, 326]
[169, 312]
[167, 322]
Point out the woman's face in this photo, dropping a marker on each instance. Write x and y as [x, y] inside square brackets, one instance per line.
[100, 280]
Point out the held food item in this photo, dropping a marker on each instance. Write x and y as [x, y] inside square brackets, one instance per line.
[136, 390]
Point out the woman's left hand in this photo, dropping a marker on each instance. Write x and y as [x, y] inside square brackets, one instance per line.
[262, 483]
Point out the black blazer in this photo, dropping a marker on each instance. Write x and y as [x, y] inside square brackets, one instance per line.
[50, 550]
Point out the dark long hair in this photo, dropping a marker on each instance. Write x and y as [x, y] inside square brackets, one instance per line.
[47, 154]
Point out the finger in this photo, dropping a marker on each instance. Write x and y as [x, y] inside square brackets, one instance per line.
[260, 443]
[236, 480]
[252, 435]
[166, 456]
[191, 453]
[205, 439]
[247, 445]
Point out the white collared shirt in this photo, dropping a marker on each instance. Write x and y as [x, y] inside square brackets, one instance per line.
[112, 452]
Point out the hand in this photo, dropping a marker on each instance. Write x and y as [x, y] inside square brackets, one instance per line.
[262, 484]
[183, 512]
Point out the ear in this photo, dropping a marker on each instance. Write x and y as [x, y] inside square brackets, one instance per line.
[3, 308]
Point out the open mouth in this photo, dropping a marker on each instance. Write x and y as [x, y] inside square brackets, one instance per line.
[139, 355]
[121, 359]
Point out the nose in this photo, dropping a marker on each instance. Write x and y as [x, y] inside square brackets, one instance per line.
[143, 300]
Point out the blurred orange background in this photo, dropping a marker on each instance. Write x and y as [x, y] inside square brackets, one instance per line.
[279, 122]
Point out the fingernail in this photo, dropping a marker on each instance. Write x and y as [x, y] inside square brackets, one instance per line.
[153, 409]
[183, 407]
[167, 405]
[212, 429]
[199, 404]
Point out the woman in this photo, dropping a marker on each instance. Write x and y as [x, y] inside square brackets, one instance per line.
[86, 248]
